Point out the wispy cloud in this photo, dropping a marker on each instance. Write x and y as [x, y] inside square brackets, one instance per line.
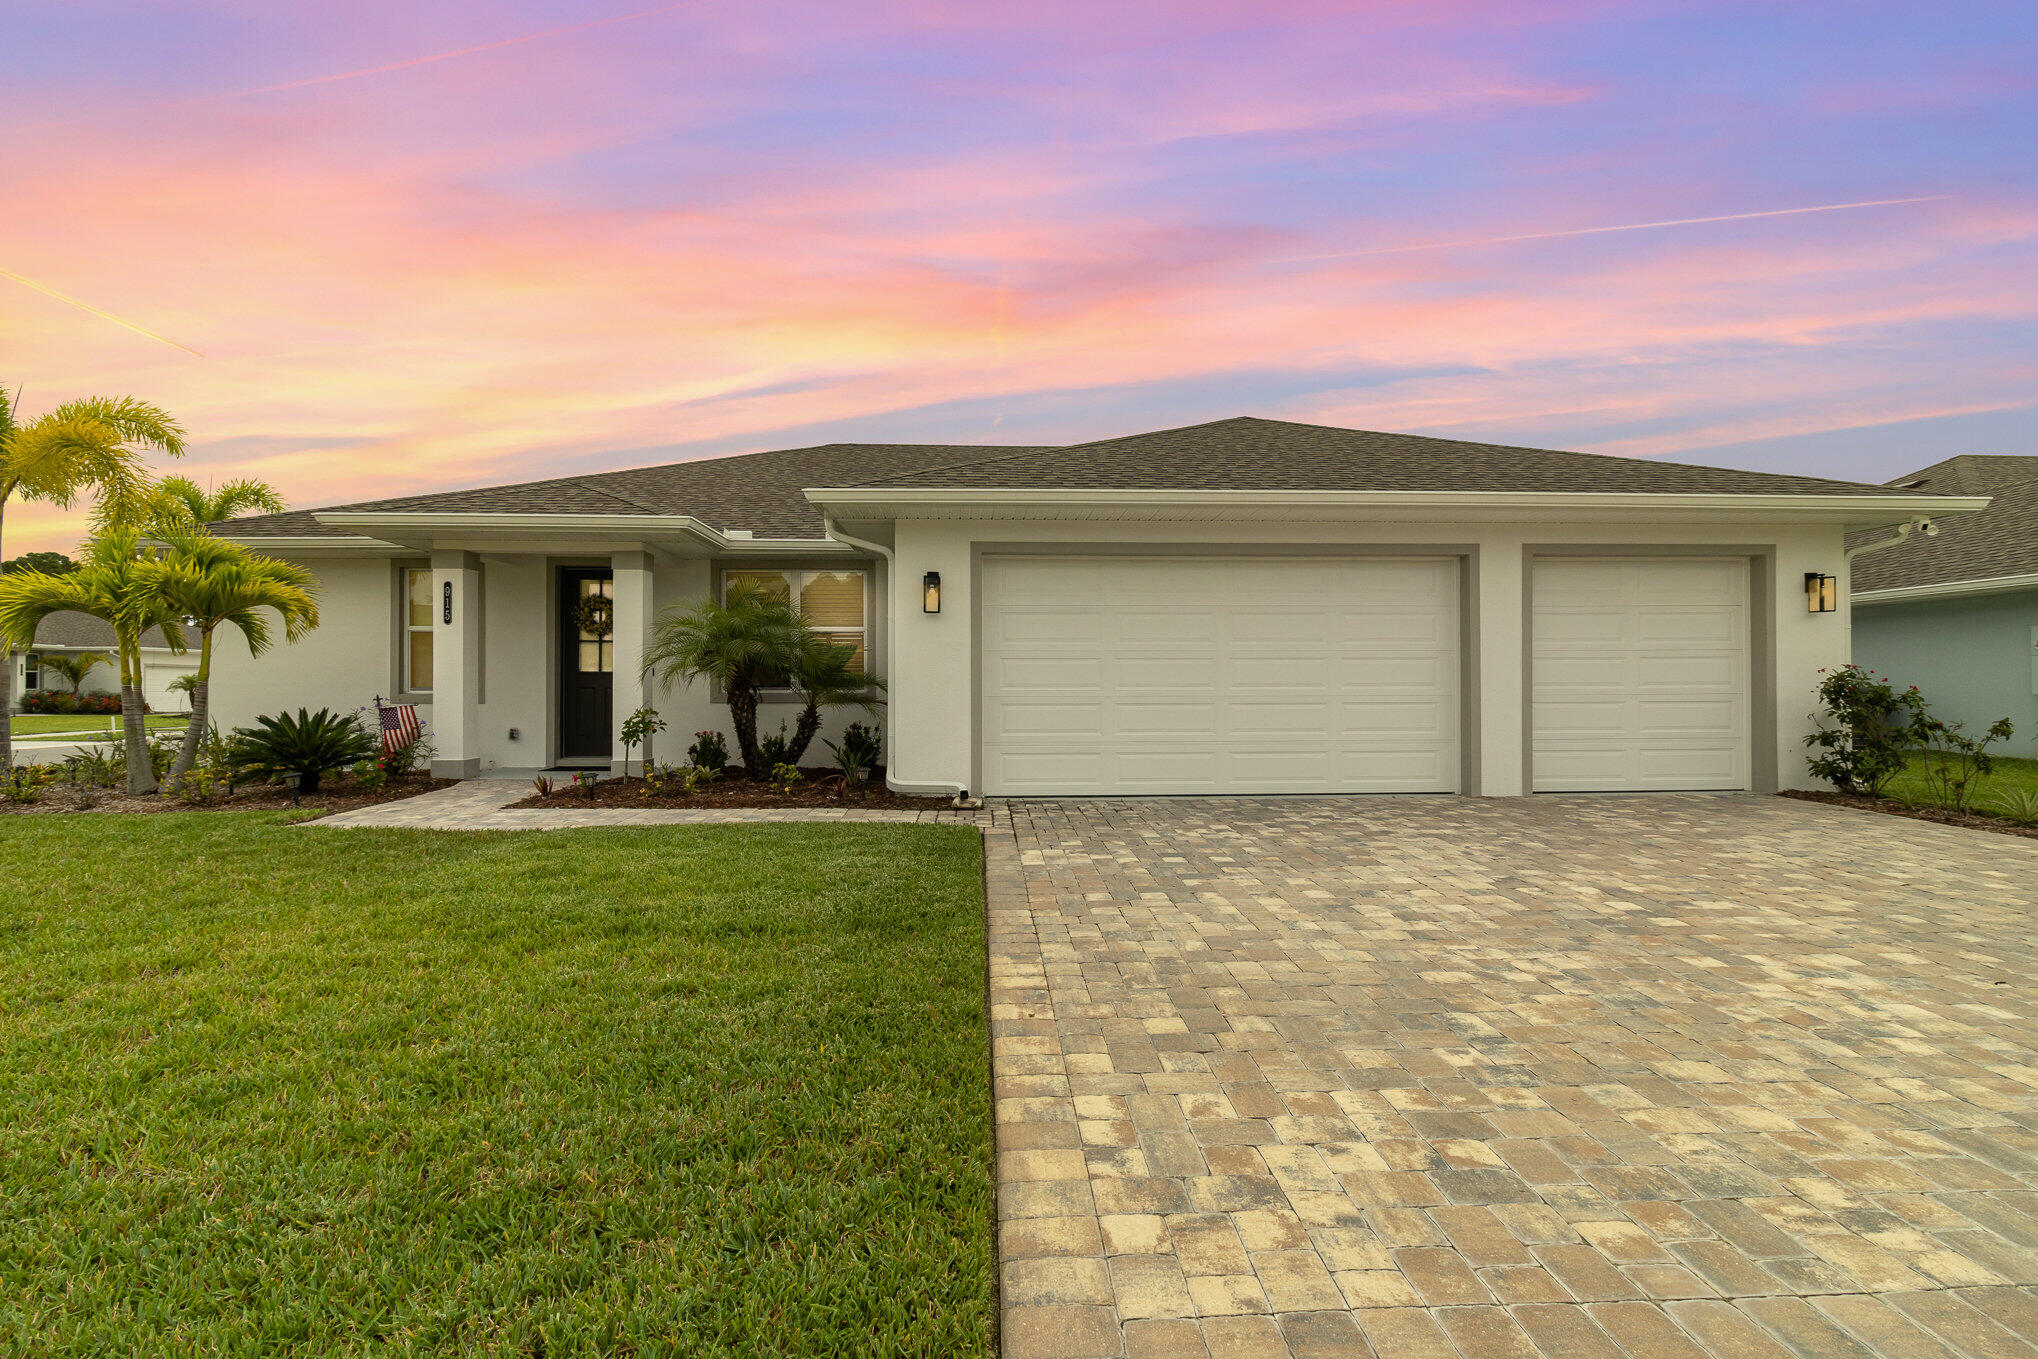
[1605, 230]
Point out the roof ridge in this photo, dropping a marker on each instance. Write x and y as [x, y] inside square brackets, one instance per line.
[1003, 451]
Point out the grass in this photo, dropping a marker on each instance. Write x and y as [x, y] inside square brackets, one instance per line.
[2010, 774]
[704, 1090]
[51, 724]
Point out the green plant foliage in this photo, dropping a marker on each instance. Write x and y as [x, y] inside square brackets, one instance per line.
[785, 777]
[776, 749]
[638, 729]
[1952, 760]
[1865, 724]
[25, 783]
[307, 744]
[709, 753]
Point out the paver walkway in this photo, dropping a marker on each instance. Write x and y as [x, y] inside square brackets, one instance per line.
[1652, 1076]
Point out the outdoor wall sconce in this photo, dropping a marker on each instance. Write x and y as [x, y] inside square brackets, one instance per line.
[930, 586]
[1821, 593]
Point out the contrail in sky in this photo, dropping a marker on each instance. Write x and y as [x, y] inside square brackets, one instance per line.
[442, 56]
[107, 315]
[1595, 231]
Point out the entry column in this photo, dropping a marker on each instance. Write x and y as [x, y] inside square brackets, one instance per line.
[631, 635]
[456, 664]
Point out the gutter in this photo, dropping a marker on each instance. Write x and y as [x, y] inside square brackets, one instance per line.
[1949, 589]
[835, 531]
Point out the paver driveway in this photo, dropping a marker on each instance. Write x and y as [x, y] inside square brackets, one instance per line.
[1662, 1076]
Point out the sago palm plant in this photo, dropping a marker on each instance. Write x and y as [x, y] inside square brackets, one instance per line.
[211, 583]
[116, 582]
[91, 445]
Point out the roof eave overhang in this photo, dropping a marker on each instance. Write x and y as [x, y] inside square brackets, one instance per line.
[313, 544]
[1948, 589]
[1848, 511]
[682, 535]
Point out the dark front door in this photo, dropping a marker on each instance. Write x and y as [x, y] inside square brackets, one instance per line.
[587, 662]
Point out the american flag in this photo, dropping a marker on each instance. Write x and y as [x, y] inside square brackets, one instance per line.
[399, 725]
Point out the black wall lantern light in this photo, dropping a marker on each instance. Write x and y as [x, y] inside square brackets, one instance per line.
[930, 596]
[1821, 593]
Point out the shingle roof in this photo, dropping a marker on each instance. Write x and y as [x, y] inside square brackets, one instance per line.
[756, 491]
[1246, 453]
[74, 630]
[762, 492]
[2000, 541]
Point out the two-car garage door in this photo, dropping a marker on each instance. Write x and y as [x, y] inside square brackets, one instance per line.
[1220, 675]
[1275, 674]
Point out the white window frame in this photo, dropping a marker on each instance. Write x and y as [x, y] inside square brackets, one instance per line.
[31, 671]
[407, 629]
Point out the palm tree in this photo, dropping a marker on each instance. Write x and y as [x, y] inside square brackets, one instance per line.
[180, 503]
[824, 677]
[211, 583]
[741, 643]
[117, 583]
[73, 669]
[93, 444]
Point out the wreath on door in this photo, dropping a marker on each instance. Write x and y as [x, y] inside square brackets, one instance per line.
[595, 615]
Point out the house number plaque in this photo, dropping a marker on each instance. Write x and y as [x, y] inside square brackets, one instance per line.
[446, 604]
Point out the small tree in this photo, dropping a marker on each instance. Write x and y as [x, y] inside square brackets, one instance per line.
[743, 642]
[1866, 726]
[73, 670]
[212, 583]
[116, 583]
[637, 730]
[181, 504]
[824, 678]
[1953, 760]
[90, 445]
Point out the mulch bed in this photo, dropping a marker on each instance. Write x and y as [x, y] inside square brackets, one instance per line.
[334, 795]
[1971, 820]
[820, 788]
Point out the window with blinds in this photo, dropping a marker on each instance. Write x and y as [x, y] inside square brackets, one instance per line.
[830, 601]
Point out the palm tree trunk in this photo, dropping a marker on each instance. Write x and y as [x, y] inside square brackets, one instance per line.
[743, 716]
[201, 702]
[804, 732]
[141, 775]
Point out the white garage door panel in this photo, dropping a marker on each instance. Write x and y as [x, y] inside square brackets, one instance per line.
[1641, 674]
[1211, 675]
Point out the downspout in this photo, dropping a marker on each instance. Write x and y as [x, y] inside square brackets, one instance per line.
[1903, 535]
[891, 579]
[892, 779]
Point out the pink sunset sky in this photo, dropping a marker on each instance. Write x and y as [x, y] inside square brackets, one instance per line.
[424, 246]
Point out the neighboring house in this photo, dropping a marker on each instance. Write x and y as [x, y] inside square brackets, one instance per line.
[70, 633]
[1957, 613]
[1249, 606]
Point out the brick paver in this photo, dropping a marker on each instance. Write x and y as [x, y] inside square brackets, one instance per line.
[1649, 1076]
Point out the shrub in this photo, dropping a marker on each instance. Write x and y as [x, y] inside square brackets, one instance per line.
[24, 783]
[709, 753]
[1865, 726]
[53, 703]
[309, 745]
[862, 743]
[1953, 760]
[784, 777]
[2019, 805]
[371, 775]
[94, 767]
[776, 750]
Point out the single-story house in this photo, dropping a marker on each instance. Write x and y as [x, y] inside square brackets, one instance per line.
[1246, 606]
[72, 634]
[1956, 612]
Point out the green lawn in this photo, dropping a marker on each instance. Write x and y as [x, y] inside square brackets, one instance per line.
[2009, 773]
[703, 1090]
[49, 724]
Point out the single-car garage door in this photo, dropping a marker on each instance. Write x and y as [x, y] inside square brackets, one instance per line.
[1640, 670]
[1219, 675]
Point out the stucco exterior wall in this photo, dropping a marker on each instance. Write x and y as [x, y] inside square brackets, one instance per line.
[933, 669]
[354, 655]
[1973, 657]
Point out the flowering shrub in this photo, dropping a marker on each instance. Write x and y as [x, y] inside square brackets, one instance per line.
[54, 701]
[1865, 726]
